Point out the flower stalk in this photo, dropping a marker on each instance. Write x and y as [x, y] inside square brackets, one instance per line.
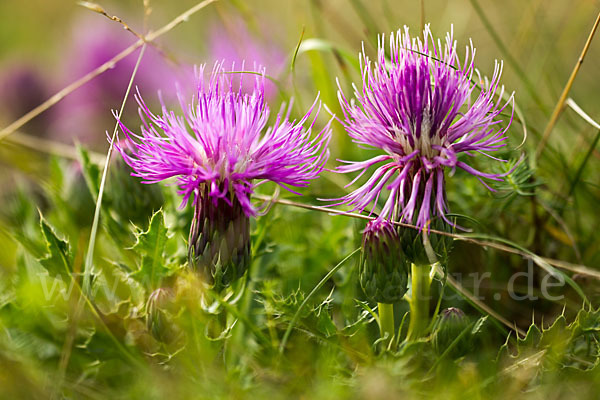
[386, 322]
[419, 301]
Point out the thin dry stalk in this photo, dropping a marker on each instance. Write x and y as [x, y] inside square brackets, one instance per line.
[51, 147]
[97, 8]
[565, 93]
[151, 36]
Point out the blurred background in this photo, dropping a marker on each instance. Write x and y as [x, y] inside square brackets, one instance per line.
[46, 45]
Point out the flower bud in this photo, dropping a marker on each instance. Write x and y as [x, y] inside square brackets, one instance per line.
[219, 243]
[449, 324]
[383, 271]
[158, 319]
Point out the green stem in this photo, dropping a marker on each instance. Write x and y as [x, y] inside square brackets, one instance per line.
[419, 301]
[386, 320]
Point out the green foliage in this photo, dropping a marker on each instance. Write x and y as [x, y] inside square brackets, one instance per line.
[150, 245]
[520, 179]
[415, 250]
[128, 198]
[383, 269]
[574, 345]
[58, 260]
[91, 172]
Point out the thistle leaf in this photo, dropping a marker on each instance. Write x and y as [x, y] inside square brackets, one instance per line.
[58, 260]
[151, 246]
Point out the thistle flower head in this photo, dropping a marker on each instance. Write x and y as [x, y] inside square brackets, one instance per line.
[222, 141]
[422, 109]
[217, 150]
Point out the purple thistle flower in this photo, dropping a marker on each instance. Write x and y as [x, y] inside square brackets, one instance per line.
[217, 150]
[417, 108]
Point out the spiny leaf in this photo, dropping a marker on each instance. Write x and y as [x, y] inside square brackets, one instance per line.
[116, 292]
[58, 260]
[564, 345]
[324, 323]
[151, 245]
[587, 321]
[533, 337]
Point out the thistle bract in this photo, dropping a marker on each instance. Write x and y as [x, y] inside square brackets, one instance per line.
[219, 243]
[383, 269]
[417, 106]
[219, 150]
[414, 250]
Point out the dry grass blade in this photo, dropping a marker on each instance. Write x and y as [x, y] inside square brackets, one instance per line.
[533, 360]
[101, 69]
[98, 9]
[563, 97]
[575, 107]
[51, 147]
[89, 259]
[68, 89]
[582, 269]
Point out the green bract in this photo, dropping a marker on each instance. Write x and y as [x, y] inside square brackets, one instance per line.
[219, 243]
[414, 250]
[383, 267]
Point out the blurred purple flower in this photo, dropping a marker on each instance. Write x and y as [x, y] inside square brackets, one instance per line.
[23, 88]
[417, 108]
[233, 43]
[85, 113]
[228, 147]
